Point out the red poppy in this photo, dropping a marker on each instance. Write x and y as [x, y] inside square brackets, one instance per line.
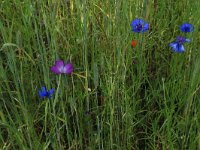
[134, 43]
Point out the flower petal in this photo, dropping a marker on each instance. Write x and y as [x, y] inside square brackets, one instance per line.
[57, 68]
[187, 40]
[68, 69]
[136, 22]
[187, 27]
[44, 93]
[177, 47]
[41, 94]
[146, 27]
[134, 43]
[139, 25]
[173, 45]
[44, 89]
[51, 91]
[59, 63]
[180, 48]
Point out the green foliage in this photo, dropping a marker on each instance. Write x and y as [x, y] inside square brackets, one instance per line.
[145, 97]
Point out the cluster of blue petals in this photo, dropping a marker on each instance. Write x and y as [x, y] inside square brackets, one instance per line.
[187, 27]
[177, 46]
[44, 93]
[139, 25]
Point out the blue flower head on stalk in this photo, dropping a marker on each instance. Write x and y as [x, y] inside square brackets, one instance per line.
[187, 27]
[139, 25]
[177, 45]
[44, 93]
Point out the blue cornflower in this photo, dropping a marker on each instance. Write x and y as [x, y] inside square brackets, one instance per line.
[187, 27]
[177, 45]
[44, 93]
[139, 25]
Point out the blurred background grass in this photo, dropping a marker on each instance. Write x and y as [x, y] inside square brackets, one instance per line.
[118, 97]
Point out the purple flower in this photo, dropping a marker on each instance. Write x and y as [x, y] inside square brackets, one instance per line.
[139, 25]
[187, 27]
[177, 45]
[60, 67]
[44, 93]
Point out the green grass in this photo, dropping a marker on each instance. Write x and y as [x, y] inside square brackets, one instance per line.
[139, 98]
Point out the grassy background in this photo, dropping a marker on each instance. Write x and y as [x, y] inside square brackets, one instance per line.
[118, 97]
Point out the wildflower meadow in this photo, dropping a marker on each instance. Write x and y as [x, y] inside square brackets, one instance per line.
[99, 75]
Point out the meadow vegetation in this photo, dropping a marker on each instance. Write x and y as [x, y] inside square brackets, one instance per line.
[118, 97]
